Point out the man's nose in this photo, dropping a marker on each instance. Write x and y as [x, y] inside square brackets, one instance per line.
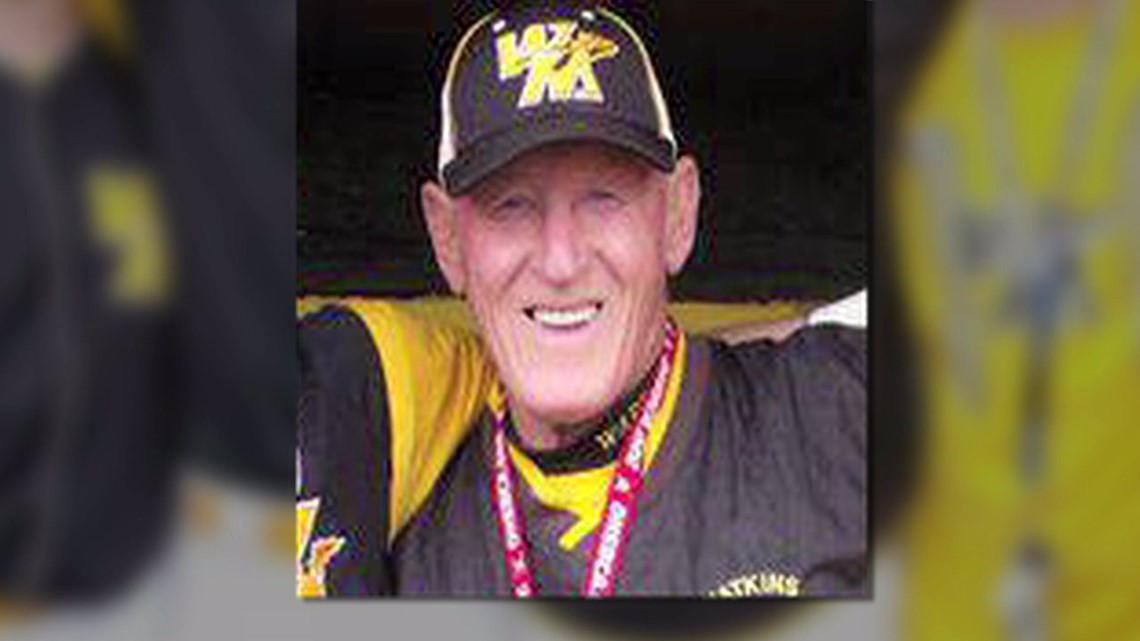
[562, 253]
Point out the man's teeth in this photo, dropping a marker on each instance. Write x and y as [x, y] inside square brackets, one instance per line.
[567, 317]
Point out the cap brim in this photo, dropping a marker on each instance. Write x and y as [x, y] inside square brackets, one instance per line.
[494, 152]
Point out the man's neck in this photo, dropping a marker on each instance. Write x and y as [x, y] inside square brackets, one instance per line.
[548, 437]
[539, 435]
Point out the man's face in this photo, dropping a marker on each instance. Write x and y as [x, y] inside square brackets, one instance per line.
[563, 257]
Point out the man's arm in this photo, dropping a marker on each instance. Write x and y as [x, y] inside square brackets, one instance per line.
[388, 391]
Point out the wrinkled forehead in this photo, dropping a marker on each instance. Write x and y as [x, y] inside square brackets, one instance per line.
[569, 162]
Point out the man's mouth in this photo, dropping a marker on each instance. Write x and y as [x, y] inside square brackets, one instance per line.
[564, 318]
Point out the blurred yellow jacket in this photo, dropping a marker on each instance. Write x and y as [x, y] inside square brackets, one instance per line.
[1013, 202]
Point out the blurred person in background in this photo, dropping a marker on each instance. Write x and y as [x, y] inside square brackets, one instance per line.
[1015, 208]
[218, 80]
[147, 173]
[86, 283]
[110, 376]
[579, 395]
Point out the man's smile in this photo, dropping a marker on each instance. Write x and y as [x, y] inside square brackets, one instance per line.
[564, 317]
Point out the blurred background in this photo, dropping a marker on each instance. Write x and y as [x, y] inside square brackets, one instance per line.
[175, 171]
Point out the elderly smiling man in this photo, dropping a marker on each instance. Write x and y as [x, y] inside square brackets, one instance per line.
[581, 443]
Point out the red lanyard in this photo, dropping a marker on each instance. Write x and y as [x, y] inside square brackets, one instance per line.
[621, 504]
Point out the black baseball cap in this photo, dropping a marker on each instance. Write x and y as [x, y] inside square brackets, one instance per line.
[529, 76]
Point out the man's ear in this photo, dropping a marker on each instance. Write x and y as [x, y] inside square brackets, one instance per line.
[441, 218]
[684, 201]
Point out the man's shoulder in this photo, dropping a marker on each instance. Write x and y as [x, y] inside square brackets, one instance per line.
[405, 377]
[335, 342]
[785, 428]
[805, 396]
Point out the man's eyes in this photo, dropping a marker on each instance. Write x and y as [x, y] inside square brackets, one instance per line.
[522, 206]
[603, 198]
[512, 206]
[600, 194]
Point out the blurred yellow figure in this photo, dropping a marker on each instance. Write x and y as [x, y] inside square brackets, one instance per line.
[1014, 201]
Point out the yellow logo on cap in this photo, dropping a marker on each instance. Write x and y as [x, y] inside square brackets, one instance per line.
[558, 58]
